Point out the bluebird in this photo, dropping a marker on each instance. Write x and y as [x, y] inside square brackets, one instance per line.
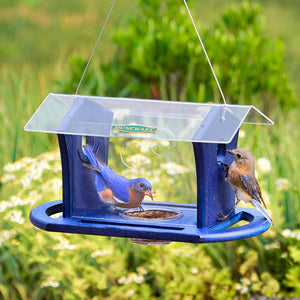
[117, 190]
[241, 177]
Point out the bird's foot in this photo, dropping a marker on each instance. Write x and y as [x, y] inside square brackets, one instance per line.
[224, 166]
[222, 217]
[141, 209]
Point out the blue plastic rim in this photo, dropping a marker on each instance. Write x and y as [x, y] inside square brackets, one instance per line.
[182, 229]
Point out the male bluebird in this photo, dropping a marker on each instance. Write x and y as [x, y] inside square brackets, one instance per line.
[241, 177]
[116, 189]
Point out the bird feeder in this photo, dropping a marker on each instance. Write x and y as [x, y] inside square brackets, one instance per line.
[211, 128]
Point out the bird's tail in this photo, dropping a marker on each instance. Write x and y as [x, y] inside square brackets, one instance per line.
[94, 160]
[87, 150]
[262, 210]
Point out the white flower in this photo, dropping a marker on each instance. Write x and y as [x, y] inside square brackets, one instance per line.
[288, 233]
[173, 168]
[13, 167]
[50, 281]
[137, 278]
[246, 281]
[129, 293]
[146, 145]
[138, 160]
[141, 270]
[15, 216]
[242, 134]
[63, 244]
[282, 184]
[6, 235]
[244, 289]
[194, 270]
[26, 180]
[274, 245]
[122, 280]
[4, 205]
[7, 177]
[263, 165]
[100, 253]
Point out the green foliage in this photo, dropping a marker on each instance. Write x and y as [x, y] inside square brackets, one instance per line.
[40, 265]
[159, 56]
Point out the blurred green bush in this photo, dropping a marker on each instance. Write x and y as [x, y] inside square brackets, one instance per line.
[159, 56]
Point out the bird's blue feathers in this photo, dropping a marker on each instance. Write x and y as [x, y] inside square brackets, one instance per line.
[262, 210]
[119, 185]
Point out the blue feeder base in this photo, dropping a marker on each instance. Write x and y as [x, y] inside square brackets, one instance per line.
[181, 229]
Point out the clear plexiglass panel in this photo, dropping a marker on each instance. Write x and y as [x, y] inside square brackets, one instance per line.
[140, 118]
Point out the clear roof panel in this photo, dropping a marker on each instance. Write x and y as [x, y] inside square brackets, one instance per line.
[140, 118]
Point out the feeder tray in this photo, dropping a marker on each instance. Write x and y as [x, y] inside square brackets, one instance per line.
[152, 214]
[211, 128]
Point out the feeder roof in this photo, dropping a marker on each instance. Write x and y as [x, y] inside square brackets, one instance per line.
[140, 118]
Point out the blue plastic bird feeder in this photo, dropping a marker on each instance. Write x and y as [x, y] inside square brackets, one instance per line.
[211, 128]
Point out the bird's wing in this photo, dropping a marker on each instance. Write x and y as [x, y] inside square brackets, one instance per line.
[262, 210]
[252, 186]
[118, 184]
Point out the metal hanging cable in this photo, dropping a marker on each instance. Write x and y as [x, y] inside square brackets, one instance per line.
[99, 36]
[206, 55]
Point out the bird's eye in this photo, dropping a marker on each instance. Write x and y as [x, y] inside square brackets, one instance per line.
[142, 185]
[239, 156]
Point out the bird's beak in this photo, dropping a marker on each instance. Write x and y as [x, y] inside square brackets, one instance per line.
[230, 152]
[148, 193]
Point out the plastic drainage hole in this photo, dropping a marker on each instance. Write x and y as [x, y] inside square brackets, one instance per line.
[54, 211]
[239, 224]
[57, 215]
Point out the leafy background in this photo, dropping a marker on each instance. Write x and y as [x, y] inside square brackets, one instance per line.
[148, 50]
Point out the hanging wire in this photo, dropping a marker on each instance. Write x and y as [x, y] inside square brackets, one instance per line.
[99, 36]
[202, 45]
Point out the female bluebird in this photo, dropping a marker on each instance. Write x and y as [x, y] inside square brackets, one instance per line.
[241, 177]
[116, 189]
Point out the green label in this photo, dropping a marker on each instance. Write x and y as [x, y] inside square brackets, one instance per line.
[134, 129]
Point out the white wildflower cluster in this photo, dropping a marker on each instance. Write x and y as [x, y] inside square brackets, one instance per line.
[147, 145]
[173, 168]
[282, 184]
[50, 281]
[100, 253]
[16, 200]
[63, 244]
[138, 160]
[134, 277]
[53, 185]
[275, 245]
[6, 235]
[18, 165]
[7, 177]
[244, 286]
[14, 215]
[288, 233]
[33, 168]
[50, 156]
[263, 166]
